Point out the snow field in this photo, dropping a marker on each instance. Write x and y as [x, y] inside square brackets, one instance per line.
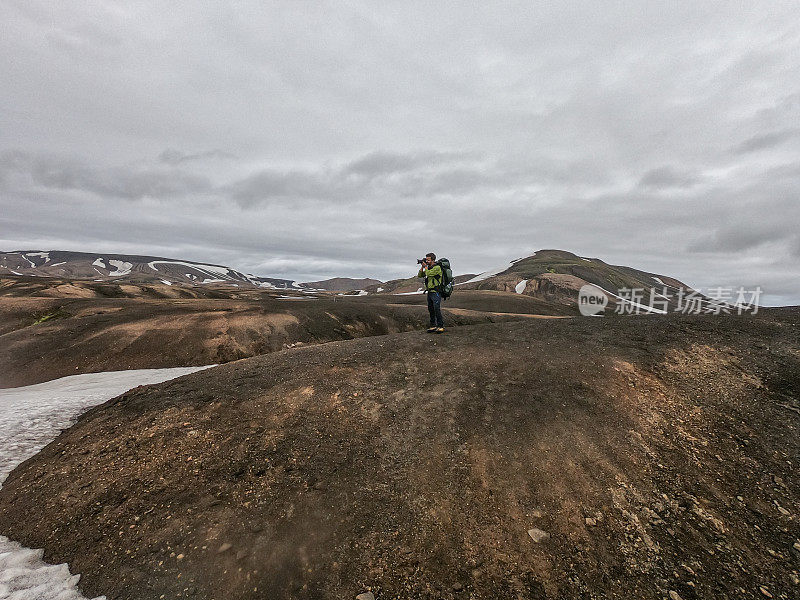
[30, 418]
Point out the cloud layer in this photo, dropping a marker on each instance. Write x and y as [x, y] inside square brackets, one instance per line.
[314, 140]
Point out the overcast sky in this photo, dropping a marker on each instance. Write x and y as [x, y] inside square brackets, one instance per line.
[309, 139]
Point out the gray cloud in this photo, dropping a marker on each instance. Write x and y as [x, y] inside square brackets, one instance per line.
[388, 163]
[312, 140]
[736, 238]
[174, 157]
[374, 178]
[129, 183]
[667, 177]
[766, 140]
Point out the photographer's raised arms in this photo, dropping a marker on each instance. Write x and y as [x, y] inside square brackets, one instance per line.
[438, 286]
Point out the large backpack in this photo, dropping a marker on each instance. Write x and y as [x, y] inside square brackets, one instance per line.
[446, 288]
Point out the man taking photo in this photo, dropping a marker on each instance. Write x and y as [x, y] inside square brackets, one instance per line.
[433, 285]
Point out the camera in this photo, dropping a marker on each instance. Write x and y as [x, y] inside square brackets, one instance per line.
[421, 261]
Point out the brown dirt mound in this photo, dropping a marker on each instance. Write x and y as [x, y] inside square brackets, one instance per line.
[46, 338]
[659, 454]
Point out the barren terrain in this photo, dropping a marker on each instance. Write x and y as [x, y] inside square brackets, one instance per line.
[48, 330]
[633, 457]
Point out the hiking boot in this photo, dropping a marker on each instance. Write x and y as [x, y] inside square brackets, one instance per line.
[439, 330]
[431, 329]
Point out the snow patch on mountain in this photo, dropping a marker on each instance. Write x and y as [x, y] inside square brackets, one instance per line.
[210, 272]
[44, 255]
[520, 287]
[122, 267]
[648, 309]
[492, 273]
[99, 263]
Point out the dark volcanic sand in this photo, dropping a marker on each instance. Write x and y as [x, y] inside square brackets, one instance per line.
[414, 466]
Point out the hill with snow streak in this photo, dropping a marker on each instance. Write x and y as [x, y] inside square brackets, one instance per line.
[133, 268]
[557, 276]
[152, 270]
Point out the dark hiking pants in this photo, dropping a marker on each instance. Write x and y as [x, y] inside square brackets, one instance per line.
[435, 309]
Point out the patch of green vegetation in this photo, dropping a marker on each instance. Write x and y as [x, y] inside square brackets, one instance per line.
[49, 316]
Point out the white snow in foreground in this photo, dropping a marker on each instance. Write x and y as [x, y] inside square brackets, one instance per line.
[30, 418]
[59, 263]
[123, 268]
[15, 273]
[99, 263]
[520, 287]
[165, 282]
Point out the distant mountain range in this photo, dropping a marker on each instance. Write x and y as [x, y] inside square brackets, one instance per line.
[552, 275]
[153, 270]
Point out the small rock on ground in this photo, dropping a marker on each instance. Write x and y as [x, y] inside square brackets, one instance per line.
[537, 535]
[366, 596]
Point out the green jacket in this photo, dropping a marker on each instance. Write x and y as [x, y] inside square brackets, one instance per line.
[433, 278]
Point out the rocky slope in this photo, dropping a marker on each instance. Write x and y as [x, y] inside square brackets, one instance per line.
[577, 458]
